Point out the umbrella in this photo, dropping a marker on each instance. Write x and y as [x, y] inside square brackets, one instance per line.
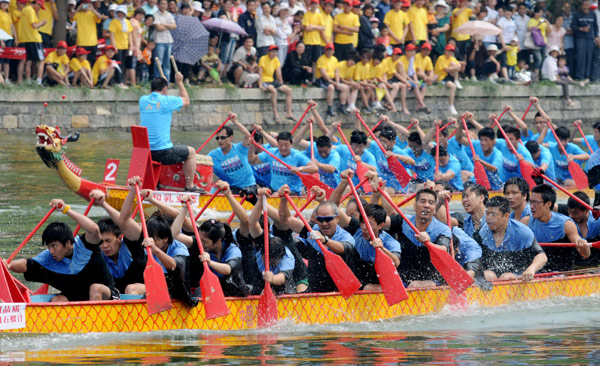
[223, 25]
[5, 36]
[190, 39]
[478, 27]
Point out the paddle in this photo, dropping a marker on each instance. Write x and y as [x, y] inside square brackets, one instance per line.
[213, 134]
[479, 170]
[527, 110]
[381, 121]
[157, 292]
[340, 273]
[308, 180]
[583, 136]
[595, 245]
[230, 219]
[395, 166]
[578, 175]
[312, 145]
[360, 184]
[267, 303]
[301, 118]
[31, 234]
[212, 198]
[407, 199]
[215, 305]
[361, 170]
[309, 198]
[391, 284]
[449, 223]
[159, 66]
[563, 189]
[446, 125]
[85, 213]
[526, 169]
[437, 148]
[451, 271]
[502, 113]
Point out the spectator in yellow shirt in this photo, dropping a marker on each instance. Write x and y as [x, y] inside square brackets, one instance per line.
[460, 16]
[313, 24]
[269, 69]
[410, 67]
[397, 75]
[446, 69]
[87, 17]
[57, 65]
[417, 14]
[328, 78]
[327, 9]
[361, 75]
[82, 71]
[49, 14]
[347, 78]
[105, 68]
[398, 22]
[379, 78]
[121, 36]
[345, 27]
[6, 24]
[30, 38]
[424, 65]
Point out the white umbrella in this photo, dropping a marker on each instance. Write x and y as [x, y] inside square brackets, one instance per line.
[478, 27]
[5, 36]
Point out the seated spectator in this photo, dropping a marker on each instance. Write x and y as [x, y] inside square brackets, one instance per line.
[297, 68]
[410, 65]
[550, 72]
[57, 66]
[106, 68]
[269, 69]
[491, 66]
[446, 70]
[361, 75]
[328, 78]
[239, 66]
[378, 76]
[82, 71]
[212, 64]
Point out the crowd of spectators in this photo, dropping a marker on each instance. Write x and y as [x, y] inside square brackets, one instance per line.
[373, 50]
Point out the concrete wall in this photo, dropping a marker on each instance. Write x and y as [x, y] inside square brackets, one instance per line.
[96, 109]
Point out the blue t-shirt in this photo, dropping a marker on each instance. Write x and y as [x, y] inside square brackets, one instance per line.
[453, 165]
[495, 159]
[331, 179]
[593, 228]
[434, 230]
[594, 160]
[156, 112]
[366, 251]
[347, 161]
[176, 248]
[383, 169]
[533, 137]
[262, 171]
[510, 163]
[591, 141]
[550, 231]
[517, 237]
[424, 164]
[232, 252]
[67, 266]
[280, 174]
[287, 263]
[124, 260]
[546, 157]
[561, 166]
[339, 235]
[459, 152]
[233, 167]
[469, 225]
[468, 249]
[526, 212]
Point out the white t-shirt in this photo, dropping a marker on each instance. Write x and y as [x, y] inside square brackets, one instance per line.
[491, 17]
[262, 22]
[509, 29]
[241, 53]
[163, 18]
[550, 68]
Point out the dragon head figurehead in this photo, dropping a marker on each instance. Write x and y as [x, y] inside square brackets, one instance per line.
[49, 144]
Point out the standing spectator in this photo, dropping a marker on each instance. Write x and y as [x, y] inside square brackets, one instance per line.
[327, 9]
[269, 69]
[136, 36]
[460, 16]
[438, 34]
[382, 9]
[49, 14]
[266, 29]
[208, 11]
[568, 41]
[492, 17]
[328, 78]
[345, 26]
[296, 6]
[30, 38]
[521, 20]
[121, 37]
[163, 24]
[447, 68]
[585, 29]
[7, 25]
[542, 24]
[365, 32]
[550, 72]
[508, 27]
[297, 68]
[556, 34]
[284, 31]
[150, 7]
[595, 75]
[398, 22]
[228, 40]
[313, 25]
[87, 17]
[106, 23]
[248, 18]
[417, 14]
[57, 66]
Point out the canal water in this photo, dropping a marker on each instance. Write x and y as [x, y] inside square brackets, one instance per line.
[559, 331]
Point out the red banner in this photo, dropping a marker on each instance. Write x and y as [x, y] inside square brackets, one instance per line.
[18, 53]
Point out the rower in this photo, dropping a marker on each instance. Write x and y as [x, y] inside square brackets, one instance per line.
[327, 231]
[156, 112]
[125, 259]
[449, 169]
[454, 149]
[474, 198]
[262, 171]
[387, 137]
[516, 191]
[467, 251]
[424, 162]
[587, 226]
[561, 162]
[73, 265]
[510, 165]
[592, 139]
[230, 161]
[349, 218]
[509, 246]
[552, 227]
[358, 144]
[539, 121]
[487, 153]
[280, 174]
[325, 158]
[542, 158]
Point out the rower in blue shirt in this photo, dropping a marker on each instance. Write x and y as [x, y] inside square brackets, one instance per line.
[474, 198]
[489, 156]
[510, 164]
[467, 251]
[424, 164]
[551, 227]
[542, 157]
[326, 159]
[516, 190]
[358, 144]
[387, 137]
[592, 139]
[561, 162]
[588, 227]
[262, 171]
[449, 169]
[509, 246]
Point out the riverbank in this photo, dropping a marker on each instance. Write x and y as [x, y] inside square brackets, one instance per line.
[22, 109]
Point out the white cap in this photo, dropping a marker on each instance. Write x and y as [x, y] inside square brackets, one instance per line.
[72, 2]
[197, 6]
[492, 47]
[554, 48]
[122, 9]
[112, 7]
[441, 3]
[283, 6]
[4, 1]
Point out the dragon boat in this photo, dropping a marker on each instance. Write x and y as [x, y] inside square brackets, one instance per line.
[327, 308]
[167, 181]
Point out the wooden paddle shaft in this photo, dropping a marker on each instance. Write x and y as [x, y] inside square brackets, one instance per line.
[31, 234]
[85, 213]
[159, 67]
[566, 191]
[213, 134]
[346, 141]
[357, 186]
[385, 195]
[309, 199]
[196, 233]
[312, 138]
[174, 63]
[464, 123]
[271, 155]
[527, 111]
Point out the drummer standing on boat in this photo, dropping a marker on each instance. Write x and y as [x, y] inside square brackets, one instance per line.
[156, 113]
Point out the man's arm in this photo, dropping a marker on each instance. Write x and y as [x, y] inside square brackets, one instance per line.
[182, 91]
[92, 231]
[580, 244]
[285, 218]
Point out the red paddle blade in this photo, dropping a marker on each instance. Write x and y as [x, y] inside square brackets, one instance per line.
[389, 279]
[215, 305]
[399, 171]
[578, 175]
[310, 181]
[481, 176]
[43, 290]
[361, 170]
[9, 290]
[157, 293]
[526, 171]
[267, 308]
[341, 274]
[451, 271]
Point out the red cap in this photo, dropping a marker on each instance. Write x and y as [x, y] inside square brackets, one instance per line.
[273, 47]
[40, 3]
[356, 3]
[85, 1]
[109, 47]
[410, 47]
[329, 2]
[22, 1]
[397, 51]
[593, 6]
[61, 44]
[314, 1]
[82, 51]
[349, 2]
[406, 4]
[426, 46]
[329, 46]
[450, 47]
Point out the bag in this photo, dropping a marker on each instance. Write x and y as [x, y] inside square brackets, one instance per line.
[538, 38]
[529, 43]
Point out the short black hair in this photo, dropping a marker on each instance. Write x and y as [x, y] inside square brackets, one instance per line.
[426, 191]
[415, 137]
[258, 137]
[596, 125]
[216, 230]
[158, 84]
[388, 133]
[375, 211]
[510, 130]
[159, 227]
[573, 204]
[500, 202]
[442, 151]
[353, 56]
[323, 141]
[547, 192]
[139, 11]
[521, 184]
[479, 190]
[563, 133]
[276, 250]
[228, 130]
[57, 231]
[358, 137]
[285, 136]
[486, 132]
[532, 146]
[107, 225]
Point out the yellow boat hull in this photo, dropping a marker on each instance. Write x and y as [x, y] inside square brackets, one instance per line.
[131, 316]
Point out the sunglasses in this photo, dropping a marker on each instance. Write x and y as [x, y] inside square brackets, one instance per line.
[218, 138]
[325, 218]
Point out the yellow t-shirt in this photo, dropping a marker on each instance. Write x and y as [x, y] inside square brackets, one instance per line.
[441, 64]
[397, 20]
[6, 22]
[459, 20]
[390, 66]
[423, 64]
[269, 66]
[100, 64]
[376, 71]
[418, 19]
[76, 65]
[328, 28]
[362, 71]
[15, 15]
[121, 38]
[330, 64]
[12, 5]
[511, 55]
[542, 26]
[47, 16]
[61, 61]
[86, 28]
[347, 20]
[346, 72]
[316, 19]
[405, 62]
[26, 31]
